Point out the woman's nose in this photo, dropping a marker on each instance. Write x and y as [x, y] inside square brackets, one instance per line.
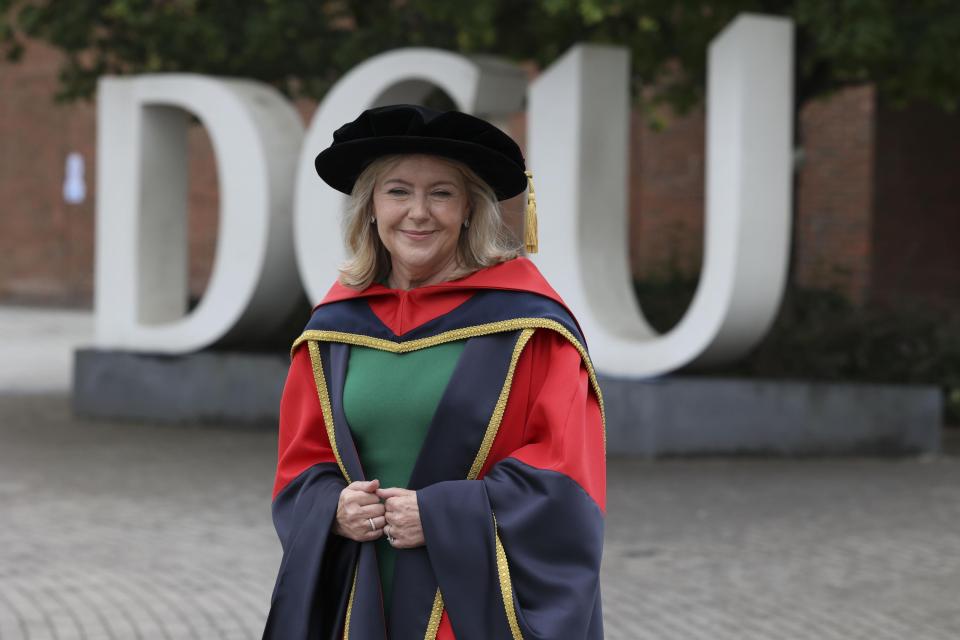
[419, 208]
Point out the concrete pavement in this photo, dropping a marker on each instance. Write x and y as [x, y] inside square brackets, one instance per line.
[124, 531]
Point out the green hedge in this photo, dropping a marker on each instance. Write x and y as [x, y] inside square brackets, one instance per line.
[819, 335]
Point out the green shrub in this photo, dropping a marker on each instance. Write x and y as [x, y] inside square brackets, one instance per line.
[819, 335]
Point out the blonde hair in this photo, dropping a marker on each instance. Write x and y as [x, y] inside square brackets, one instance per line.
[486, 242]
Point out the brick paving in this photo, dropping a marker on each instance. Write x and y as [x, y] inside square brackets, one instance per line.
[123, 531]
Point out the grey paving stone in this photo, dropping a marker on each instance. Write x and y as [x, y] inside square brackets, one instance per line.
[122, 531]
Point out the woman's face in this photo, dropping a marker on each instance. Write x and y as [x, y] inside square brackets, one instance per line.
[420, 205]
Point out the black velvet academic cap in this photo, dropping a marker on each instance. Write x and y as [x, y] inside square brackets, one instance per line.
[406, 128]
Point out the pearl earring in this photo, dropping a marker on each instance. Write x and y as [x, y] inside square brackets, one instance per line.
[373, 220]
[466, 223]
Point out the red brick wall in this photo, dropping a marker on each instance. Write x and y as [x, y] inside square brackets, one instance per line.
[916, 234]
[46, 245]
[832, 242]
[865, 179]
[667, 197]
[204, 205]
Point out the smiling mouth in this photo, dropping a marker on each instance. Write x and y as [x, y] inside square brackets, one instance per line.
[416, 234]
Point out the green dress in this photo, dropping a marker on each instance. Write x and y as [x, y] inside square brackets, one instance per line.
[389, 400]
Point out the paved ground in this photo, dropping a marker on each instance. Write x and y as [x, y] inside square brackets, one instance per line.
[36, 347]
[140, 532]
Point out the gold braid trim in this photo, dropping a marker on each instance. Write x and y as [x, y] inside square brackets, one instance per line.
[494, 425]
[500, 326]
[353, 590]
[506, 586]
[321, 384]
[433, 626]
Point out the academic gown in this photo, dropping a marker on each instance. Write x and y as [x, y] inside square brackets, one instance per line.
[510, 480]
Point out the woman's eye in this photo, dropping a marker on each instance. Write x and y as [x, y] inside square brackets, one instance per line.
[442, 194]
[397, 192]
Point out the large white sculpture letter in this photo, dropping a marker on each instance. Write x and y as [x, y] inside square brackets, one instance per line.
[578, 114]
[483, 86]
[141, 261]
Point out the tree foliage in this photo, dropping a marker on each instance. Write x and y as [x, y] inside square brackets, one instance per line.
[910, 50]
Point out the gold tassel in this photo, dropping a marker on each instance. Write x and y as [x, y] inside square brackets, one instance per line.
[530, 219]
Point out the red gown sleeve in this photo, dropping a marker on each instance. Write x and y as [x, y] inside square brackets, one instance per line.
[302, 440]
[553, 419]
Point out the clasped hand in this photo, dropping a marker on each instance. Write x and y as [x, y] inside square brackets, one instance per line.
[397, 516]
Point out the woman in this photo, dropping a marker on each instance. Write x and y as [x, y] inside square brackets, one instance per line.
[441, 454]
